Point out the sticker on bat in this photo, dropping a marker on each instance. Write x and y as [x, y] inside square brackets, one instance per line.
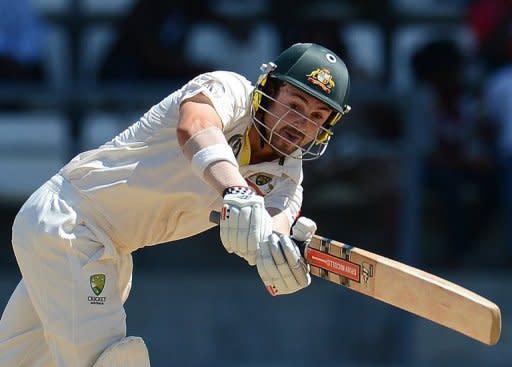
[367, 272]
[334, 264]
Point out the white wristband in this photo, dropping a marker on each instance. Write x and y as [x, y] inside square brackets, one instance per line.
[211, 154]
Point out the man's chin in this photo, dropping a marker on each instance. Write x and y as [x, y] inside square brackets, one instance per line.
[284, 150]
[284, 146]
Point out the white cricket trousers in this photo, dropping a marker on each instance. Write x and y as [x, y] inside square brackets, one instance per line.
[68, 307]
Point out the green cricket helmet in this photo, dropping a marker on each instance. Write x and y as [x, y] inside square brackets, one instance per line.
[318, 72]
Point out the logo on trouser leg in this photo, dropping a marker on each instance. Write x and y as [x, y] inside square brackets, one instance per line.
[97, 282]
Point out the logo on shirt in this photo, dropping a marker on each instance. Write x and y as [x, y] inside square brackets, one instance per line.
[262, 183]
[97, 283]
[235, 142]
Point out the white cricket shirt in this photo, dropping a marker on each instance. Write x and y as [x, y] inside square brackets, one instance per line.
[139, 188]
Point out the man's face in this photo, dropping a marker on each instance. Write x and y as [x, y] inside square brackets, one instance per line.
[294, 119]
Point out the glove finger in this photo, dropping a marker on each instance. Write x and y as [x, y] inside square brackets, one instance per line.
[225, 233]
[233, 219]
[281, 262]
[296, 262]
[242, 229]
[254, 237]
[262, 270]
[270, 267]
[273, 268]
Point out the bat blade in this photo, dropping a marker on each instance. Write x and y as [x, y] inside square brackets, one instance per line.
[406, 287]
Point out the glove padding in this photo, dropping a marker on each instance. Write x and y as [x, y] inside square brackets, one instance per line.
[303, 229]
[244, 224]
[279, 262]
[280, 265]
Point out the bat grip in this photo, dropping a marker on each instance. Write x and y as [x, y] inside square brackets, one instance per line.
[215, 218]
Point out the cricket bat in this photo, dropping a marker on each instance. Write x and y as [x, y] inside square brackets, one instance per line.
[403, 286]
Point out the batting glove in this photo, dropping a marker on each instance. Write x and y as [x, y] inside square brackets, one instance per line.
[244, 222]
[279, 262]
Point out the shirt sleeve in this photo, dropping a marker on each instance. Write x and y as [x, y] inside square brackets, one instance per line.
[286, 196]
[229, 93]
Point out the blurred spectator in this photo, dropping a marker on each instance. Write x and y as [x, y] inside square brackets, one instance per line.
[311, 21]
[171, 40]
[239, 37]
[20, 41]
[456, 172]
[151, 42]
[318, 23]
[491, 22]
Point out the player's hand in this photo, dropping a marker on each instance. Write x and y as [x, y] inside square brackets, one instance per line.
[279, 262]
[244, 222]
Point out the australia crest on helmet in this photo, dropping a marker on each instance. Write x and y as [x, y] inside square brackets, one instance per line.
[322, 77]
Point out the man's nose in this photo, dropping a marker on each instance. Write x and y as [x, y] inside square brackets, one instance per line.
[298, 120]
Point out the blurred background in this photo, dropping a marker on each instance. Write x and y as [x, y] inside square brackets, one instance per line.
[420, 171]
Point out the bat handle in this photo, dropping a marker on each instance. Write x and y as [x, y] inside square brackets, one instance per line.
[215, 218]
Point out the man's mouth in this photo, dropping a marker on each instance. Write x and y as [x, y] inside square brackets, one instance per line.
[291, 135]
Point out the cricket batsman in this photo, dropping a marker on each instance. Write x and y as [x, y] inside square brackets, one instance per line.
[218, 143]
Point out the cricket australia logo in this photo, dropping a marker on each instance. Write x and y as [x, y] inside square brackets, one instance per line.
[97, 283]
[322, 78]
[262, 183]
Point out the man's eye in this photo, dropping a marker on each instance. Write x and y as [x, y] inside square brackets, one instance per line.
[317, 116]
